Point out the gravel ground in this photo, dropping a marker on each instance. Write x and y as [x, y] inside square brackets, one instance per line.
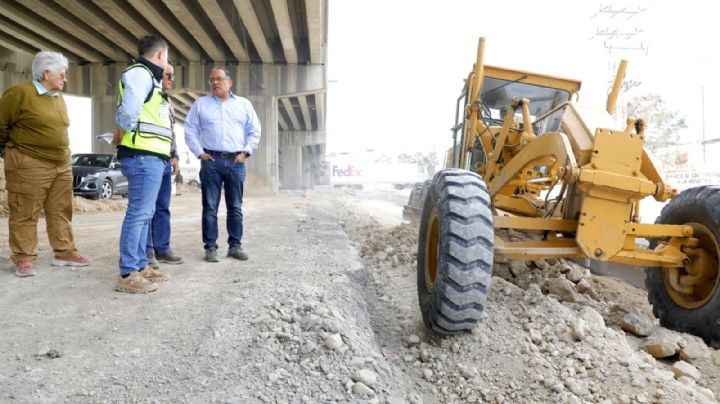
[326, 310]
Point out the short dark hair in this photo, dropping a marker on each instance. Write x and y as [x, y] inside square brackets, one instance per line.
[222, 68]
[150, 44]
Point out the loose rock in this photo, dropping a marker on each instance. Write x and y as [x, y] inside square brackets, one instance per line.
[366, 376]
[660, 348]
[637, 324]
[334, 342]
[579, 330]
[682, 368]
[563, 288]
[362, 390]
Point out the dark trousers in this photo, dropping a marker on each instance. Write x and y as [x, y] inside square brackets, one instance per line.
[158, 240]
[214, 175]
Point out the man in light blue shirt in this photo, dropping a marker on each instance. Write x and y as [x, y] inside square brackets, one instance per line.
[222, 130]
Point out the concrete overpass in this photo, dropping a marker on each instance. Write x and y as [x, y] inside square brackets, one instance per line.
[275, 50]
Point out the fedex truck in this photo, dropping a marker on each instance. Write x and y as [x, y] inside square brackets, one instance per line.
[359, 171]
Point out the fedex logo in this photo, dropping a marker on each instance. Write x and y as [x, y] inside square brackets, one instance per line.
[350, 171]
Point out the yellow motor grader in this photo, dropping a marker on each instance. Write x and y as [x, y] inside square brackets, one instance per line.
[527, 156]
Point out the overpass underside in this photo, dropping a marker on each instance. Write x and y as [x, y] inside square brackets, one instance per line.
[274, 49]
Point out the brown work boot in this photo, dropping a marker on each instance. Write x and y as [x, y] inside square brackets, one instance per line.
[135, 283]
[155, 276]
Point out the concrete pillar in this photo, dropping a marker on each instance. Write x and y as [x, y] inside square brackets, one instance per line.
[11, 74]
[291, 167]
[301, 157]
[308, 168]
[14, 68]
[194, 77]
[263, 165]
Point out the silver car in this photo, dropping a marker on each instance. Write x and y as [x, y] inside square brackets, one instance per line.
[98, 176]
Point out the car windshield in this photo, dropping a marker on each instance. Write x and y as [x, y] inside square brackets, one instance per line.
[91, 160]
[497, 95]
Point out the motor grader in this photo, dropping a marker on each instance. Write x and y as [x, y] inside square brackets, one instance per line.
[527, 156]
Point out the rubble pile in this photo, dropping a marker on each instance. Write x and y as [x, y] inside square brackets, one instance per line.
[84, 205]
[393, 248]
[551, 332]
[314, 351]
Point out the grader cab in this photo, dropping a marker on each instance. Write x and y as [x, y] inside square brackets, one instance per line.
[527, 156]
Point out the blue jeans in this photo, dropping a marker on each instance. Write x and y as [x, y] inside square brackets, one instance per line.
[213, 175]
[158, 239]
[144, 174]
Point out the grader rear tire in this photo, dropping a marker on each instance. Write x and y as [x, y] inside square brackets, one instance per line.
[455, 252]
[697, 313]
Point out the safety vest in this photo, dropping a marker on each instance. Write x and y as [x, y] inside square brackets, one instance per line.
[153, 132]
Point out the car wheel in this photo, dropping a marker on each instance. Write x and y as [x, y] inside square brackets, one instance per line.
[106, 190]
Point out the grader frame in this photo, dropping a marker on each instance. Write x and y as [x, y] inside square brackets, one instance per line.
[508, 162]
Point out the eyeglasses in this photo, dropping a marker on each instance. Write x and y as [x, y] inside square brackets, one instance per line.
[216, 79]
[61, 75]
[170, 76]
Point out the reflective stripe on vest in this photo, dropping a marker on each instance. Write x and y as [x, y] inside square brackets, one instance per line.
[144, 127]
[153, 131]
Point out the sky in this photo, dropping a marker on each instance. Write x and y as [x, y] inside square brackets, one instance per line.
[396, 68]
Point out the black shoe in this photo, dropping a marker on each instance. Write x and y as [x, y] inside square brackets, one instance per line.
[237, 253]
[169, 258]
[152, 261]
[211, 255]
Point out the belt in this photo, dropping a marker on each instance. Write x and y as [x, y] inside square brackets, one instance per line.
[222, 154]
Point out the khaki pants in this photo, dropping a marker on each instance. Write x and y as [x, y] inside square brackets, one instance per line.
[34, 185]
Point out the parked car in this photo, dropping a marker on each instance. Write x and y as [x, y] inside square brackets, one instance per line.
[98, 176]
[191, 175]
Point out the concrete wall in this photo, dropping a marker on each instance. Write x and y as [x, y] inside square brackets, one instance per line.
[14, 68]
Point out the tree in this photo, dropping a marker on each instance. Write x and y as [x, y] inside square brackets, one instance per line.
[661, 125]
[426, 161]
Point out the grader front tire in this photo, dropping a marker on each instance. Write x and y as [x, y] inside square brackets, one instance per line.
[697, 313]
[455, 252]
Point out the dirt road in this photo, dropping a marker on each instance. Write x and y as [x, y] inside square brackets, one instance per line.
[325, 310]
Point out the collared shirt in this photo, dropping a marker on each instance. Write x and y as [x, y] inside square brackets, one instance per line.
[229, 126]
[137, 84]
[43, 91]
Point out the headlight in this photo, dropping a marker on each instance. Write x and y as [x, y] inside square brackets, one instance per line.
[91, 177]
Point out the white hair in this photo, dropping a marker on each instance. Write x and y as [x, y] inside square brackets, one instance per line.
[45, 60]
